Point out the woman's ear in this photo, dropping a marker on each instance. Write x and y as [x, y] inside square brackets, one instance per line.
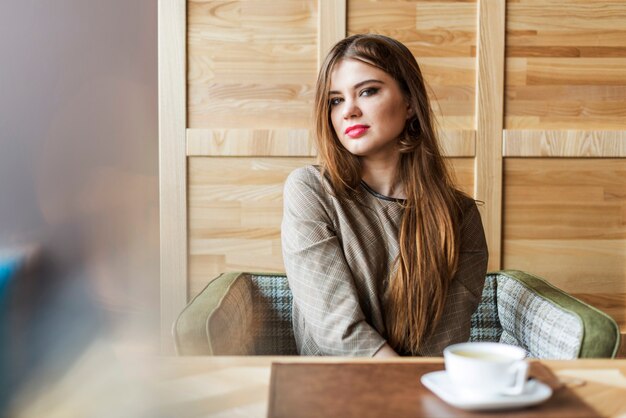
[409, 111]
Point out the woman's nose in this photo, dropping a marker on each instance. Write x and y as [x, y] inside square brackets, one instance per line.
[351, 109]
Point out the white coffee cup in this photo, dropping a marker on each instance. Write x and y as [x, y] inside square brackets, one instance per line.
[482, 369]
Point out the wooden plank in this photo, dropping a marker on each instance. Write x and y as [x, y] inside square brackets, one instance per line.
[566, 65]
[172, 165]
[436, 29]
[575, 71]
[489, 120]
[293, 142]
[565, 122]
[565, 16]
[588, 38]
[566, 93]
[566, 143]
[251, 64]
[566, 51]
[332, 26]
[449, 17]
[458, 143]
[576, 266]
[448, 71]
[251, 104]
[463, 172]
[250, 142]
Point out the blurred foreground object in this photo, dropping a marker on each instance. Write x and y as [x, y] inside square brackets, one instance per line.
[16, 266]
[47, 318]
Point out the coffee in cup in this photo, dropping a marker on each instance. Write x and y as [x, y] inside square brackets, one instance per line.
[482, 369]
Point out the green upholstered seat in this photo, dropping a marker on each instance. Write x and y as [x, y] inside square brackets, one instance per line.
[250, 314]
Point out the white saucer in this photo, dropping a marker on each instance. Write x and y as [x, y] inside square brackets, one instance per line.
[535, 392]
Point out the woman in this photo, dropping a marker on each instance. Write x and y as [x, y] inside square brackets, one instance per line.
[383, 255]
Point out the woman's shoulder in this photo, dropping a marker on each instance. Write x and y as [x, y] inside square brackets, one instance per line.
[305, 174]
[306, 193]
[468, 214]
[304, 178]
[471, 226]
[464, 202]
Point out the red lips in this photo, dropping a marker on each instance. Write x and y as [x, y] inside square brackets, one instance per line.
[356, 131]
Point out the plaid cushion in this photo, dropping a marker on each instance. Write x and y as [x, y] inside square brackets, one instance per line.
[251, 314]
[272, 329]
[536, 324]
[485, 323]
[510, 339]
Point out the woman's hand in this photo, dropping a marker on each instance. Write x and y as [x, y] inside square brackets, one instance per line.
[385, 352]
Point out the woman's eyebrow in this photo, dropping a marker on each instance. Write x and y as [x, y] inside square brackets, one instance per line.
[359, 84]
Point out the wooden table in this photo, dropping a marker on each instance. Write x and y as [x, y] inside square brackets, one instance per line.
[239, 386]
[109, 381]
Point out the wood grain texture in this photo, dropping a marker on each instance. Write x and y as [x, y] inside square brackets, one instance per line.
[240, 386]
[172, 166]
[252, 64]
[489, 115]
[463, 172]
[442, 37]
[566, 66]
[564, 143]
[458, 143]
[332, 26]
[564, 16]
[250, 142]
[235, 211]
[565, 220]
[293, 142]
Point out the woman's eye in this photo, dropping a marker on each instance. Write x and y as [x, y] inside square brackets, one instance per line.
[335, 101]
[369, 91]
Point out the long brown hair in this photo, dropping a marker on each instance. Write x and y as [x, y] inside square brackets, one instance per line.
[429, 231]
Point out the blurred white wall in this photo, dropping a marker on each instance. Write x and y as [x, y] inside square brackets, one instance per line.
[79, 164]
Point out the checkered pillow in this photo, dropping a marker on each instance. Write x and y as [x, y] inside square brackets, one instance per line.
[536, 324]
[485, 322]
[271, 328]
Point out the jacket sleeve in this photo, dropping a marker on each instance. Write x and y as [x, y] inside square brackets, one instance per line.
[466, 288]
[323, 287]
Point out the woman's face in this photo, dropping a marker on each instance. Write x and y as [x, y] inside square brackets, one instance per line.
[367, 109]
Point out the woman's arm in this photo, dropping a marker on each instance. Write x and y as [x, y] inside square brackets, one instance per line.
[324, 291]
[386, 352]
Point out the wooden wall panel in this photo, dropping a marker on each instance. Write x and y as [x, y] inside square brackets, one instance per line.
[332, 26]
[247, 142]
[235, 211]
[250, 74]
[565, 220]
[252, 64]
[566, 65]
[442, 36]
[489, 115]
[172, 167]
[463, 171]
